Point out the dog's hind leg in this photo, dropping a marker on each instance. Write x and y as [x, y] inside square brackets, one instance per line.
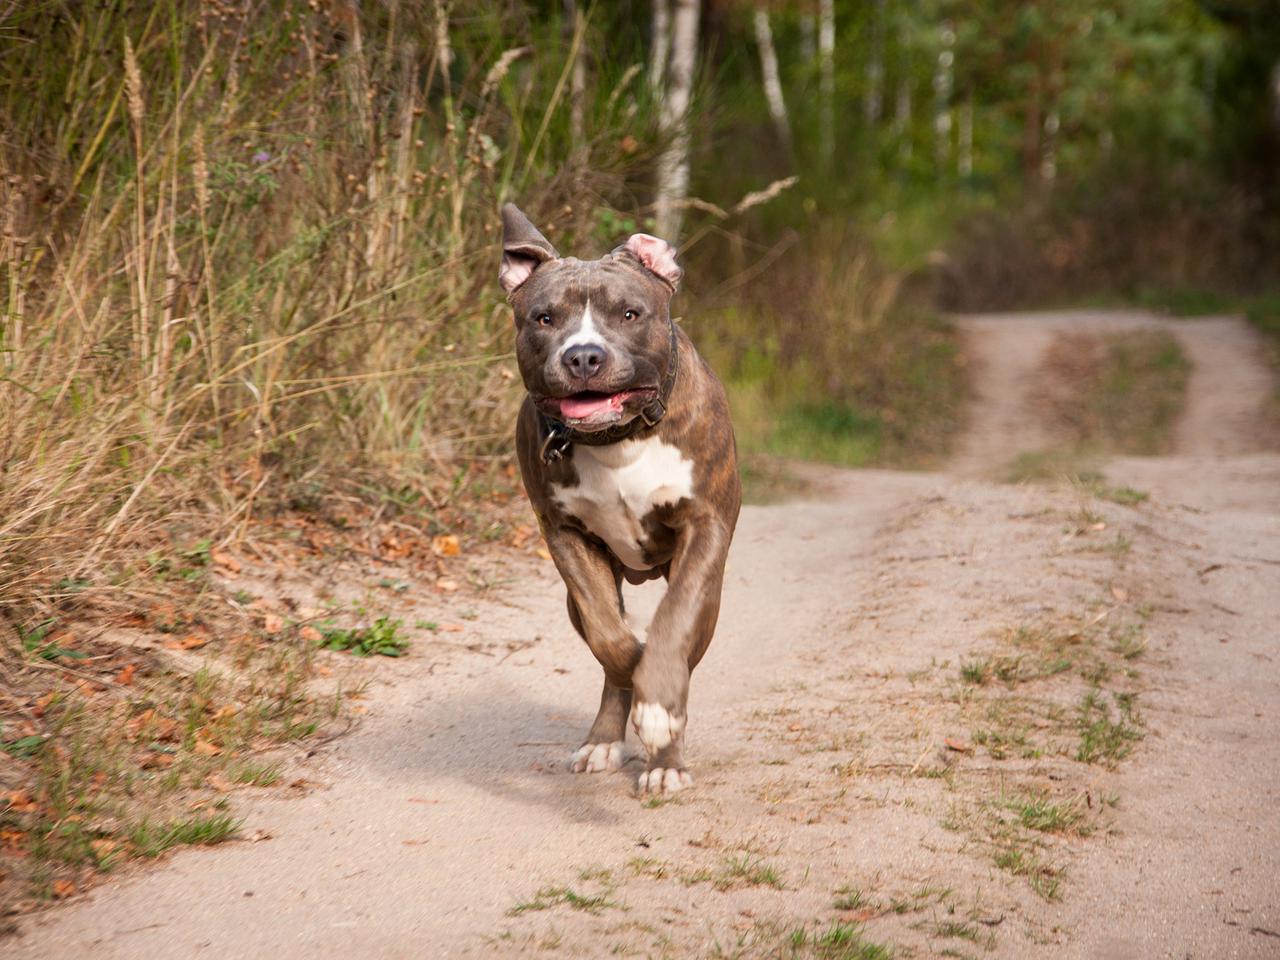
[602, 751]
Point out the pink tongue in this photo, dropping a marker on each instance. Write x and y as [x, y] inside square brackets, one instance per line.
[579, 408]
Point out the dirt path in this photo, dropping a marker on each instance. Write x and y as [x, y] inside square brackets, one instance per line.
[835, 744]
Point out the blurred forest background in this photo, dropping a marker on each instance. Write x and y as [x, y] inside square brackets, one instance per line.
[248, 253]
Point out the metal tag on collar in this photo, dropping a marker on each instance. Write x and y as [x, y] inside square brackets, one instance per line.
[554, 447]
[653, 412]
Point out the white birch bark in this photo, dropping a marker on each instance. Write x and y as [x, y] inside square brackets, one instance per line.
[827, 76]
[873, 102]
[964, 156]
[942, 82]
[577, 78]
[673, 165]
[769, 71]
[659, 44]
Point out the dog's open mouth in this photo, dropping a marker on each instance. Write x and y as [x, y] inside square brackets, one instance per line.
[593, 409]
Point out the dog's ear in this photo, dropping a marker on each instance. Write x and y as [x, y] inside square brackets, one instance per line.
[523, 248]
[658, 257]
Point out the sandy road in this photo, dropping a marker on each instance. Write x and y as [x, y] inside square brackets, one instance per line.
[448, 825]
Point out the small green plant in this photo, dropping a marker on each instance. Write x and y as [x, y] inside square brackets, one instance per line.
[1040, 813]
[840, 941]
[1044, 879]
[151, 840]
[382, 638]
[1107, 736]
[548, 897]
[747, 870]
[850, 898]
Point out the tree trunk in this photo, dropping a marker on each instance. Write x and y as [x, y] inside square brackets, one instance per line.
[827, 76]
[673, 165]
[659, 44]
[577, 79]
[873, 102]
[942, 81]
[769, 71]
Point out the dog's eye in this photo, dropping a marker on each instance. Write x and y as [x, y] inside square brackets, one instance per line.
[544, 319]
[631, 314]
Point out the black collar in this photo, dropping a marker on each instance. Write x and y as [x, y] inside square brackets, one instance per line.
[558, 437]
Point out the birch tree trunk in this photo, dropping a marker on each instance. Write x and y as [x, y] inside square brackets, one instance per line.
[673, 165]
[577, 79]
[873, 103]
[659, 44]
[769, 72]
[827, 76]
[942, 82]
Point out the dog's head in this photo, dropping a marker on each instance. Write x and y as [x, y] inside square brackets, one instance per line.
[593, 337]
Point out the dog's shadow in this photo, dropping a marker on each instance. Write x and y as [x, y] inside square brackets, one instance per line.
[497, 739]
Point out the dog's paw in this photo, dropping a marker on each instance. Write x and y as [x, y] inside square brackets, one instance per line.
[655, 727]
[661, 780]
[597, 758]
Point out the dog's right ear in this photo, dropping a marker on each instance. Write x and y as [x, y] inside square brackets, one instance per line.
[524, 249]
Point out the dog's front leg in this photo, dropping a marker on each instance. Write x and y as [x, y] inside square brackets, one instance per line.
[595, 608]
[678, 637]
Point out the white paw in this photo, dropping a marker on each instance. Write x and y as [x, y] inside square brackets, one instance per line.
[597, 758]
[655, 727]
[659, 780]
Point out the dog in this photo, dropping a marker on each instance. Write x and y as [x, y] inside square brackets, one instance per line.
[628, 456]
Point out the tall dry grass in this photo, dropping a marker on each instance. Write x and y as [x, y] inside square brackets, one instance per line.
[244, 245]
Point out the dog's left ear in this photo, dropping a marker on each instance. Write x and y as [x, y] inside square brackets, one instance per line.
[658, 257]
[524, 249]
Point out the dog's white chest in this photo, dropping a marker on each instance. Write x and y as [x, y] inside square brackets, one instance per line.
[618, 485]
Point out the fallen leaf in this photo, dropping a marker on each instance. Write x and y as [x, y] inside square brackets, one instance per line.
[273, 623]
[63, 888]
[20, 801]
[125, 676]
[103, 848]
[206, 749]
[310, 634]
[958, 745]
[224, 559]
[445, 585]
[796, 727]
[446, 545]
[218, 782]
[1100, 525]
[1120, 593]
[192, 641]
[258, 836]
[43, 703]
[544, 553]
[157, 760]
[452, 628]
[14, 842]
[225, 712]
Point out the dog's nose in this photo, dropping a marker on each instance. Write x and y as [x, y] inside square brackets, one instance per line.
[585, 360]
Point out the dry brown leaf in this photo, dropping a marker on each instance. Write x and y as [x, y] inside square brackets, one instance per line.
[225, 712]
[1100, 525]
[1120, 593]
[20, 801]
[272, 623]
[63, 888]
[103, 848]
[958, 745]
[446, 545]
[206, 749]
[796, 727]
[224, 559]
[445, 585]
[310, 634]
[125, 676]
[193, 641]
[218, 782]
[452, 628]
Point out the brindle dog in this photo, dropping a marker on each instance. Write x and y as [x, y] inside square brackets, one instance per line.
[628, 457]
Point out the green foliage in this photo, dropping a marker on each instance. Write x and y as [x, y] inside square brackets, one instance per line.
[381, 638]
[151, 840]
